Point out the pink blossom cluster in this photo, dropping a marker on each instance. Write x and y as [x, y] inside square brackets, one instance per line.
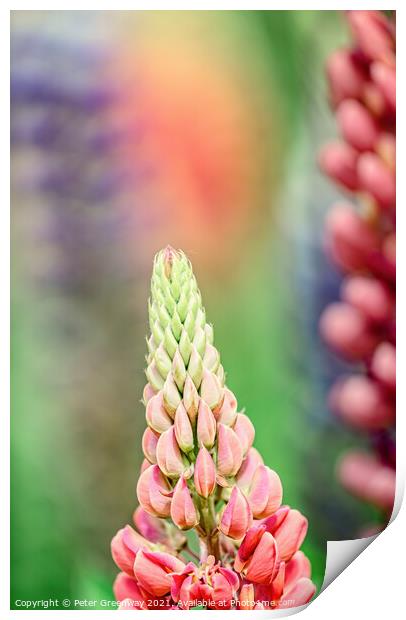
[202, 473]
[361, 240]
[267, 570]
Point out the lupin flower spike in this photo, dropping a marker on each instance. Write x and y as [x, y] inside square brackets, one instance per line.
[201, 473]
[361, 240]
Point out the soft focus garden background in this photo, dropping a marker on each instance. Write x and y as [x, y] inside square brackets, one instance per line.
[131, 131]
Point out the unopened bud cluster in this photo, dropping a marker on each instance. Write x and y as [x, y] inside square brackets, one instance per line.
[201, 472]
[361, 240]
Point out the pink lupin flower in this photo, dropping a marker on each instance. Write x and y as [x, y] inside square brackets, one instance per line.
[183, 511]
[228, 411]
[265, 492]
[212, 583]
[183, 429]
[206, 425]
[245, 431]
[210, 390]
[248, 468]
[229, 451]
[124, 547]
[299, 594]
[297, 567]
[237, 516]
[126, 588]
[361, 240]
[339, 161]
[205, 473]
[147, 393]
[156, 415]
[261, 566]
[248, 546]
[153, 492]
[289, 532]
[194, 430]
[168, 455]
[152, 570]
[152, 528]
[149, 443]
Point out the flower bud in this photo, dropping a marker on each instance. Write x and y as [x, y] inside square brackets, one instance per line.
[147, 394]
[339, 161]
[149, 442]
[199, 341]
[357, 125]
[154, 377]
[183, 511]
[211, 390]
[163, 361]
[211, 358]
[205, 473]
[153, 492]
[229, 451]
[183, 429]
[377, 179]
[168, 455]
[206, 425]
[178, 370]
[265, 493]
[237, 516]
[245, 431]
[185, 347]
[228, 411]
[152, 528]
[195, 367]
[171, 396]
[190, 399]
[248, 468]
[156, 415]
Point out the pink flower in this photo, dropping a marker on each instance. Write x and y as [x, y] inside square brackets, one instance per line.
[168, 455]
[183, 511]
[228, 411]
[152, 570]
[149, 443]
[211, 584]
[364, 476]
[126, 587]
[211, 391]
[152, 528]
[156, 414]
[206, 425]
[265, 492]
[124, 547]
[183, 429]
[153, 492]
[237, 516]
[289, 528]
[248, 468]
[205, 473]
[245, 431]
[229, 451]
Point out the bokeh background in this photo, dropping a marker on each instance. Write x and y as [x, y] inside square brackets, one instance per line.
[131, 130]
